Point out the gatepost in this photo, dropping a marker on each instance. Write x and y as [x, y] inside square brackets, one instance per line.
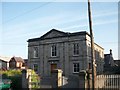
[89, 79]
[29, 78]
[83, 80]
[24, 79]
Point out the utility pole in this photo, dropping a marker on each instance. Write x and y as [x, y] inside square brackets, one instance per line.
[92, 47]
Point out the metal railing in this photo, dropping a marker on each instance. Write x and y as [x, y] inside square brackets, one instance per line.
[108, 81]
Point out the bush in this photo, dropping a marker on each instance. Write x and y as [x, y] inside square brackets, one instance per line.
[35, 80]
[14, 76]
[11, 72]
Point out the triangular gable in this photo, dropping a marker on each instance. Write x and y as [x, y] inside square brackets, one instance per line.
[16, 59]
[53, 33]
[56, 34]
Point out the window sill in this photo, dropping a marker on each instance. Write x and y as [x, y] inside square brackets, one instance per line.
[53, 56]
[75, 72]
[75, 55]
[35, 57]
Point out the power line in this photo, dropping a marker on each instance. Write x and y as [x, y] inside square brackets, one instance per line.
[27, 12]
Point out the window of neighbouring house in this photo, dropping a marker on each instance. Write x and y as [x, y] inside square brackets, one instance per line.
[76, 67]
[76, 48]
[17, 64]
[35, 52]
[35, 67]
[53, 50]
[102, 55]
[0, 64]
[90, 66]
[95, 53]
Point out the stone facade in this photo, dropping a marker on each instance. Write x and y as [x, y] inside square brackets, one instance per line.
[60, 50]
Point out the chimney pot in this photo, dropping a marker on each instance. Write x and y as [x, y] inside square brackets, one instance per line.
[111, 51]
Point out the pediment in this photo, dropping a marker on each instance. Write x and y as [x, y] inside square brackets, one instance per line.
[53, 33]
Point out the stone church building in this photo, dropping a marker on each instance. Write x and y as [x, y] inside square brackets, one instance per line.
[70, 52]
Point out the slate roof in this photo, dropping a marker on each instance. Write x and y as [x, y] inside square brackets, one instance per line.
[17, 59]
[5, 59]
[108, 58]
[117, 62]
[64, 34]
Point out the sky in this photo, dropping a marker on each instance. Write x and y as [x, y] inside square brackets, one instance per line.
[20, 21]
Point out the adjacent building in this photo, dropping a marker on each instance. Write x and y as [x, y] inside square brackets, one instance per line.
[117, 62]
[4, 62]
[16, 63]
[25, 64]
[109, 61]
[70, 52]
[3, 65]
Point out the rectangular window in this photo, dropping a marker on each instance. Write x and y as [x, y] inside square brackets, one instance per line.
[76, 48]
[95, 53]
[35, 67]
[53, 50]
[90, 66]
[102, 55]
[76, 67]
[35, 52]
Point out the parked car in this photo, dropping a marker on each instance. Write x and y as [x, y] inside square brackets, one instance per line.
[5, 84]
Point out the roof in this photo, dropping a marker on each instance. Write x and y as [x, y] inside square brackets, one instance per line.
[108, 59]
[107, 56]
[6, 59]
[98, 45]
[63, 34]
[117, 60]
[17, 59]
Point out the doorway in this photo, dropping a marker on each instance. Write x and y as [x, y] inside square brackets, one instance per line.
[53, 66]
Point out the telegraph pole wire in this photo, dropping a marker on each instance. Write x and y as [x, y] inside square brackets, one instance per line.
[27, 12]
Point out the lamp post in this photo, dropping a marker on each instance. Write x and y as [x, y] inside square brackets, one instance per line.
[92, 47]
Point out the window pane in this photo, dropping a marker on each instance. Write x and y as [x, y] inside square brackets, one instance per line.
[76, 67]
[76, 48]
[54, 50]
[35, 67]
[35, 52]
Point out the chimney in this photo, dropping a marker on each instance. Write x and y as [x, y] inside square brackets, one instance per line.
[110, 51]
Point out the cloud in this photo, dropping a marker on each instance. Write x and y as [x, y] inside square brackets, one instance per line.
[27, 25]
[61, 21]
[105, 22]
[94, 24]
[104, 14]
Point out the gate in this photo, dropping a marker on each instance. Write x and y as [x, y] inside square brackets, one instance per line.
[71, 81]
[108, 82]
[46, 82]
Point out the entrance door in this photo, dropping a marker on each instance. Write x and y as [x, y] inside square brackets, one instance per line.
[53, 66]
